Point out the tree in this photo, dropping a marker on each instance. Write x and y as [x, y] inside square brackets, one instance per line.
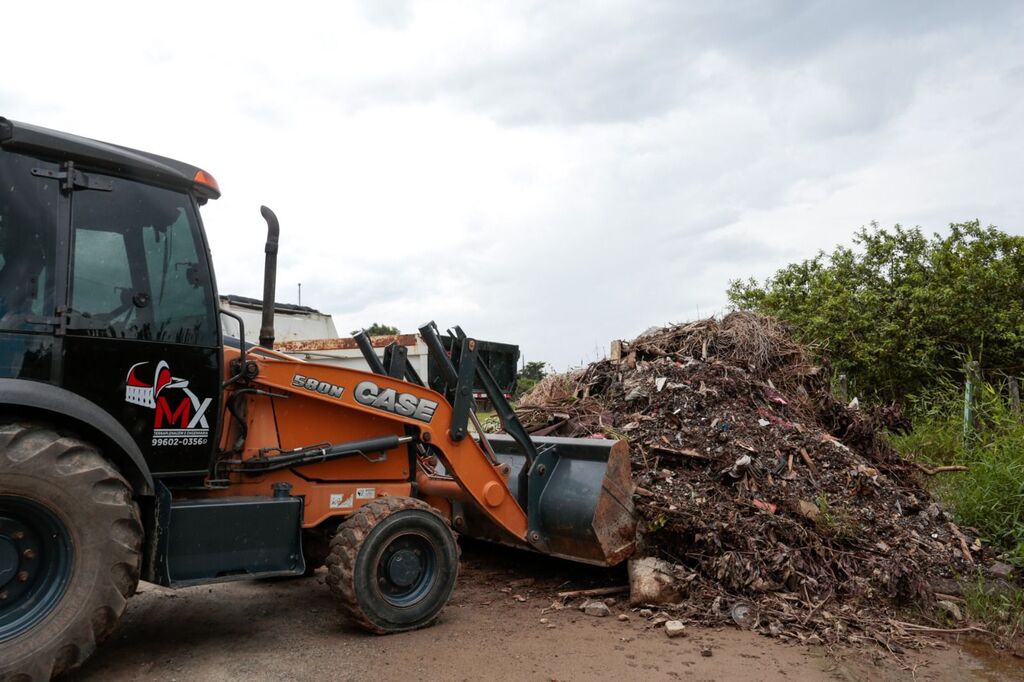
[535, 370]
[378, 329]
[900, 307]
[529, 375]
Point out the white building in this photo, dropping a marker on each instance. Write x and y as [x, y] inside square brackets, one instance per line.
[309, 334]
[291, 322]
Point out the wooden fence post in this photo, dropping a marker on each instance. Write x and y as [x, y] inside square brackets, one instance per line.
[971, 380]
[1015, 396]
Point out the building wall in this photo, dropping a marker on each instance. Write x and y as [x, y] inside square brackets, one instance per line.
[310, 335]
[288, 326]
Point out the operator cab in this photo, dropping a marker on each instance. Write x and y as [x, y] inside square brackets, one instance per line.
[106, 280]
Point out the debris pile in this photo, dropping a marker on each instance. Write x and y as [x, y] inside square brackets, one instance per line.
[759, 493]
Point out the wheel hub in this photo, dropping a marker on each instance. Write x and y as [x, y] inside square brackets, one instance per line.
[404, 568]
[35, 564]
[8, 560]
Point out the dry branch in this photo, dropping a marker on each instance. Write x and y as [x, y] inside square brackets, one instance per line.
[594, 592]
[938, 470]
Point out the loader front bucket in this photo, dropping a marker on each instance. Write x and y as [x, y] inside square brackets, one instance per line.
[578, 498]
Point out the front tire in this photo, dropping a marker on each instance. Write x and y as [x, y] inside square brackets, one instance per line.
[70, 551]
[393, 565]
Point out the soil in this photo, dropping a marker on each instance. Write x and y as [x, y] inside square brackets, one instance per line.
[290, 630]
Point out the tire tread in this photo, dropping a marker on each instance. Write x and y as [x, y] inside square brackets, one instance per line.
[345, 546]
[81, 465]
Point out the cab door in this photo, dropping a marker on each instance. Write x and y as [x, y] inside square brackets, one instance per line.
[142, 338]
[32, 211]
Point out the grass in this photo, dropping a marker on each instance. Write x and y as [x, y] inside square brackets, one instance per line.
[990, 496]
[835, 522]
[1002, 607]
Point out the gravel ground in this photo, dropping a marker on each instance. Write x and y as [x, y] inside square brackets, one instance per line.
[290, 630]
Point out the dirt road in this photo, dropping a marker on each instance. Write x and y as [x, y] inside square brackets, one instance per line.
[289, 630]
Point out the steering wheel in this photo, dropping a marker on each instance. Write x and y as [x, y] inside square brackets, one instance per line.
[129, 301]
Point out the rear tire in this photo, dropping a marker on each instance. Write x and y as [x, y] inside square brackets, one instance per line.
[70, 550]
[393, 565]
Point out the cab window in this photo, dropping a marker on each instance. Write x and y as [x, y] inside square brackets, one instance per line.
[28, 226]
[137, 266]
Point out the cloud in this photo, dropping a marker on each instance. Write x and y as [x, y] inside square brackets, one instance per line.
[551, 174]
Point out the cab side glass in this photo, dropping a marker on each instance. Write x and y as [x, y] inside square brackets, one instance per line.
[28, 226]
[136, 267]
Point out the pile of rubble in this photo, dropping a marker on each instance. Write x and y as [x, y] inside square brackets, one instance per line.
[762, 499]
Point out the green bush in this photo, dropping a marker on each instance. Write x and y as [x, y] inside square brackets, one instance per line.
[378, 329]
[901, 307]
[898, 313]
[937, 415]
[990, 496]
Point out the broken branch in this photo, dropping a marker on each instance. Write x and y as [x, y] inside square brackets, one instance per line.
[807, 460]
[681, 453]
[939, 470]
[595, 592]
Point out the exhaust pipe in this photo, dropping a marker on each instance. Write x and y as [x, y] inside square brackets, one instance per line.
[269, 279]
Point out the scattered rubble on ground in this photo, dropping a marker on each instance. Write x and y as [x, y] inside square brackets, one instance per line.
[755, 487]
[655, 581]
[675, 628]
[596, 608]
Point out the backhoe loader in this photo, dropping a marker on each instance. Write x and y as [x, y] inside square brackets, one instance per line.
[137, 442]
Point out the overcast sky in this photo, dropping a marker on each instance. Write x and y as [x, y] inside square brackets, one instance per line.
[550, 174]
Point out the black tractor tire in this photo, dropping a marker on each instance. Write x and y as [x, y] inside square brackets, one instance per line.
[393, 565]
[67, 515]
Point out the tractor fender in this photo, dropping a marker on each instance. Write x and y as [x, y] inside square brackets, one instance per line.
[86, 417]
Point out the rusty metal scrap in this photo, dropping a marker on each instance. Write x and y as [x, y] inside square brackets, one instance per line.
[343, 343]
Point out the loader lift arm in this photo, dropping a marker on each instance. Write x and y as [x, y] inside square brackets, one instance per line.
[459, 382]
[553, 480]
